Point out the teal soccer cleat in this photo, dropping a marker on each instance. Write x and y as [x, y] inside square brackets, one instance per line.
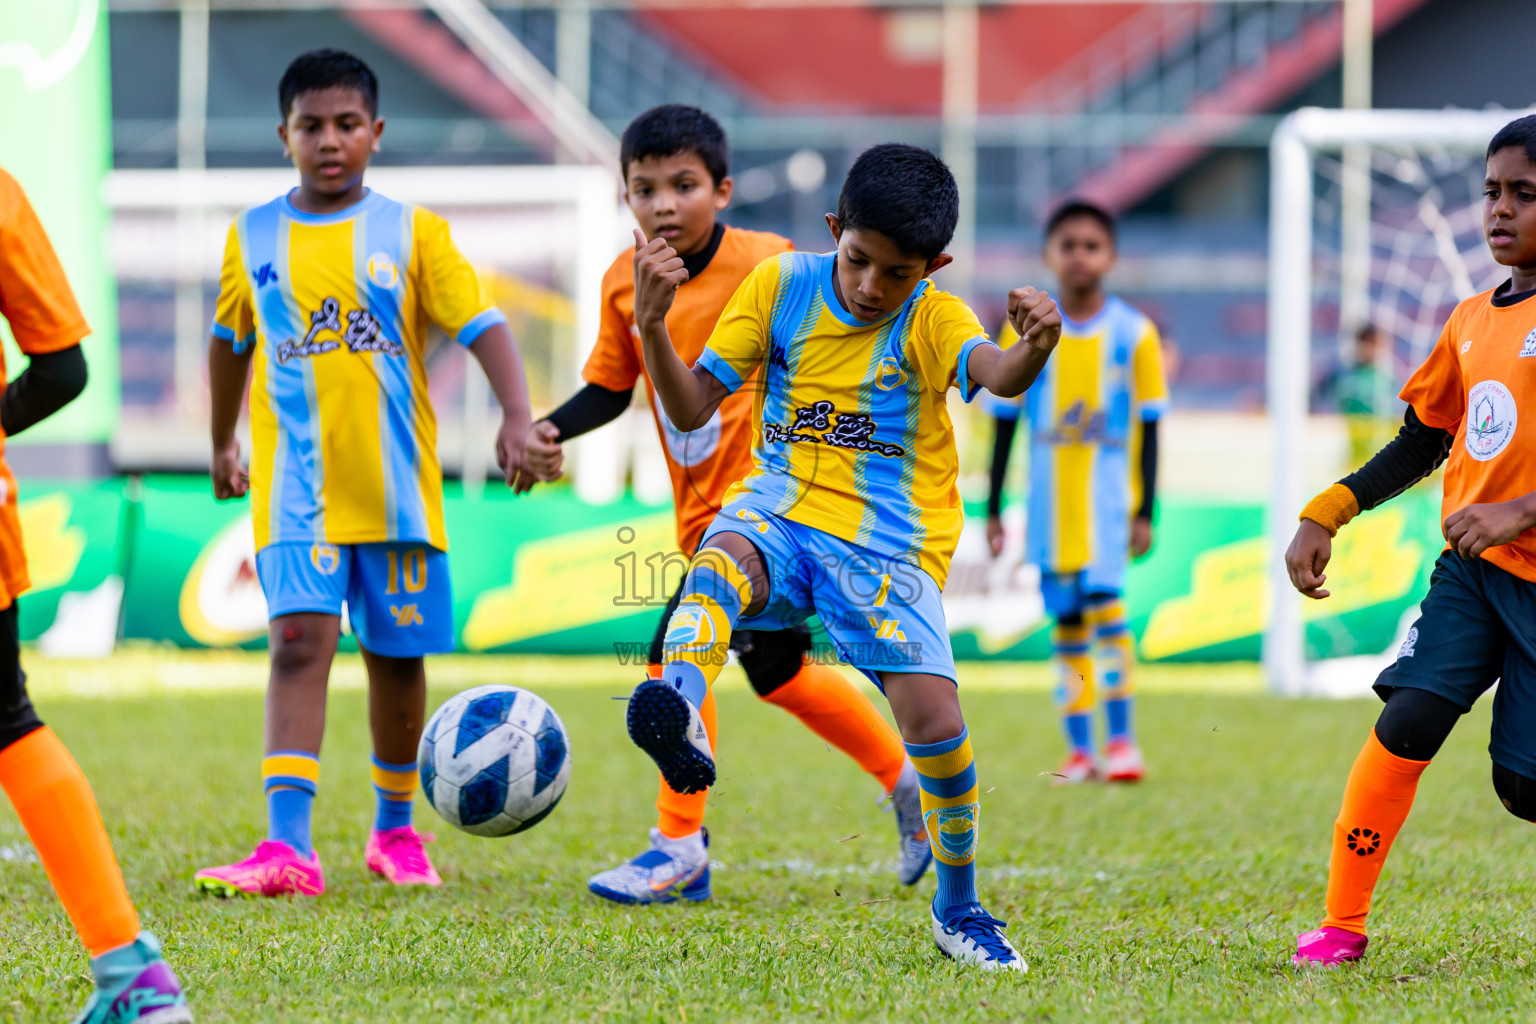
[134, 985]
[671, 870]
[914, 854]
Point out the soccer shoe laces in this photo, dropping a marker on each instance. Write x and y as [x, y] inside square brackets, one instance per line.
[407, 847]
[981, 928]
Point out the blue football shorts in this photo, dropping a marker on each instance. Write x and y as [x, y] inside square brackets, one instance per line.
[881, 613]
[398, 594]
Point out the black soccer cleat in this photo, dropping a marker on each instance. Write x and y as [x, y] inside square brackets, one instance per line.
[666, 726]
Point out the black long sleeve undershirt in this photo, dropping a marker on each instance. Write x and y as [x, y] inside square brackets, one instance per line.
[1416, 451]
[1002, 447]
[588, 409]
[1148, 468]
[50, 382]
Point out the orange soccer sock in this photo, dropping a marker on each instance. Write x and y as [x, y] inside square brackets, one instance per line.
[1377, 800]
[682, 814]
[836, 710]
[55, 805]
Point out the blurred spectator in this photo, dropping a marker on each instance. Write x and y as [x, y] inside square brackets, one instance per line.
[1364, 390]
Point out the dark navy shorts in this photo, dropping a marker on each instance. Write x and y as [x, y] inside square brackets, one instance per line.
[1476, 626]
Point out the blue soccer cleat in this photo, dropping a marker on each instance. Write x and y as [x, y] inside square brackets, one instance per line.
[969, 935]
[666, 726]
[672, 869]
[134, 985]
[914, 854]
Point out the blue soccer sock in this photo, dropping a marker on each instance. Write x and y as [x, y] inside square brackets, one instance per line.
[1075, 684]
[291, 778]
[699, 631]
[395, 787]
[947, 773]
[1116, 653]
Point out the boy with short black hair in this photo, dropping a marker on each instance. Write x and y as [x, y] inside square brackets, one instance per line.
[328, 291]
[851, 510]
[1477, 624]
[1092, 418]
[675, 163]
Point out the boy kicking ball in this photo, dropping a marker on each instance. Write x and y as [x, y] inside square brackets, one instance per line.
[1477, 624]
[851, 510]
[675, 163]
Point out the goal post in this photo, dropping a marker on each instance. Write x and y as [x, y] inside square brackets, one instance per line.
[1415, 252]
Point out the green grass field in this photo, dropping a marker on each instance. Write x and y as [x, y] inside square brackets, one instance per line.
[1175, 900]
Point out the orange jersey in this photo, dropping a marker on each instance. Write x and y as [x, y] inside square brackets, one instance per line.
[1478, 383]
[703, 462]
[36, 301]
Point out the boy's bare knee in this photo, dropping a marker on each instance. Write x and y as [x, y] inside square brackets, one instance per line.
[298, 644]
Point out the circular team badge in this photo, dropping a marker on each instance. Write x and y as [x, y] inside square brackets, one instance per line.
[1491, 418]
[382, 271]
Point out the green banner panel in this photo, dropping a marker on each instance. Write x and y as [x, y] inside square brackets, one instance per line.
[545, 573]
[74, 537]
[55, 138]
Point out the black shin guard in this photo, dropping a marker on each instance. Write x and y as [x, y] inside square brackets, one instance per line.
[771, 658]
[1415, 723]
[17, 716]
[1517, 792]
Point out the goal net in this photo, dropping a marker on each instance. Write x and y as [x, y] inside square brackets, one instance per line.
[541, 236]
[1375, 223]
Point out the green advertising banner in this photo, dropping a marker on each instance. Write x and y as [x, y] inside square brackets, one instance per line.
[55, 138]
[547, 574]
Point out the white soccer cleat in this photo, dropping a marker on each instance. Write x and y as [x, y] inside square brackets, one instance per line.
[672, 869]
[914, 854]
[967, 934]
[665, 725]
[1123, 762]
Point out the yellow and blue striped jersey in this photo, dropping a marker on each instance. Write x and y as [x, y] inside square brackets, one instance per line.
[338, 306]
[1084, 475]
[852, 435]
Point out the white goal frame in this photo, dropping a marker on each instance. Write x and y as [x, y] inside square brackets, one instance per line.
[592, 192]
[1293, 149]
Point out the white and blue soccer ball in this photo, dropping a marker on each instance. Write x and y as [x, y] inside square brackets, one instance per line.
[494, 760]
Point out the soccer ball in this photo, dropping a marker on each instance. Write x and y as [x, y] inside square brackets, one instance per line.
[494, 760]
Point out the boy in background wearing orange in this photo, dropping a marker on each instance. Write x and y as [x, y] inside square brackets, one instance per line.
[675, 164]
[134, 985]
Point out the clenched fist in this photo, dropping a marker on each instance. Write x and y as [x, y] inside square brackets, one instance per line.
[1035, 316]
[658, 272]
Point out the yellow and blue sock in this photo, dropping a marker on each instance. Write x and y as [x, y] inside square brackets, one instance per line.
[395, 787]
[947, 773]
[1115, 643]
[1075, 683]
[699, 631]
[290, 778]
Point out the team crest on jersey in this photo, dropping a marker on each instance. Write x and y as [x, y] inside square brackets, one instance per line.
[1529, 348]
[1410, 642]
[889, 375]
[325, 558]
[1491, 419]
[382, 270]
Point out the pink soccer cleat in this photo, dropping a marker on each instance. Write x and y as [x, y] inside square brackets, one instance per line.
[1328, 947]
[1079, 768]
[400, 855]
[1123, 761]
[275, 869]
